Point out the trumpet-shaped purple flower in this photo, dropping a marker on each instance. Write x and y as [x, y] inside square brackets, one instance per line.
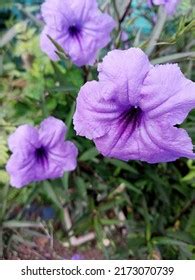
[40, 153]
[78, 27]
[131, 112]
[170, 5]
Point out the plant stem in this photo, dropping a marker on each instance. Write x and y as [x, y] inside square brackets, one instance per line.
[1, 242]
[120, 20]
[85, 74]
[173, 57]
[4, 203]
[117, 13]
[125, 12]
[157, 30]
[43, 106]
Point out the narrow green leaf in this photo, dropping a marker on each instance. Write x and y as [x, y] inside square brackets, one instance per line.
[89, 154]
[122, 165]
[22, 224]
[58, 47]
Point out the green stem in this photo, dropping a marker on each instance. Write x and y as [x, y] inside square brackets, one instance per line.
[3, 210]
[125, 12]
[4, 202]
[43, 107]
[117, 13]
[1, 242]
[120, 20]
[162, 16]
[174, 57]
[85, 74]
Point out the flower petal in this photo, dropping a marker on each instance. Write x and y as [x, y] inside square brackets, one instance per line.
[65, 156]
[152, 141]
[93, 114]
[25, 139]
[81, 8]
[121, 142]
[21, 169]
[61, 158]
[95, 34]
[96, 26]
[164, 142]
[57, 14]
[82, 49]
[52, 132]
[166, 91]
[127, 70]
[170, 5]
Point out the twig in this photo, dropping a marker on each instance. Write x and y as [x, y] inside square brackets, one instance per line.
[162, 15]
[125, 12]
[74, 241]
[120, 20]
[82, 239]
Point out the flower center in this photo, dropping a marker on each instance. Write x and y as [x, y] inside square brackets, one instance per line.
[74, 30]
[133, 116]
[41, 155]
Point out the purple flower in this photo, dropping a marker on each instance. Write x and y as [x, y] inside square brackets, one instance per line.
[76, 257]
[78, 27]
[170, 5]
[132, 111]
[39, 17]
[40, 153]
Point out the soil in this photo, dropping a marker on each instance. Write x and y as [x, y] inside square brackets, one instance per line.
[43, 250]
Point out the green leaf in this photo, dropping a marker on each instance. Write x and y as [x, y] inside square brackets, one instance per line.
[89, 154]
[110, 222]
[49, 190]
[130, 186]
[4, 178]
[58, 47]
[83, 224]
[22, 224]
[168, 241]
[189, 177]
[98, 229]
[81, 187]
[122, 165]
[65, 181]
[3, 151]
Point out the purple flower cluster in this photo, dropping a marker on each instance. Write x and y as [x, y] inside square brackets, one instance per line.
[170, 5]
[40, 153]
[78, 27]
[133, 110]
[131, 113]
